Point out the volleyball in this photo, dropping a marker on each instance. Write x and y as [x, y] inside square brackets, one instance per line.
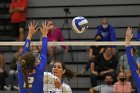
[79, 24]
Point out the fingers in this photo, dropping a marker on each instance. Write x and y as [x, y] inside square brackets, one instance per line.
[57, 83]
[37, 29]
[44, 23]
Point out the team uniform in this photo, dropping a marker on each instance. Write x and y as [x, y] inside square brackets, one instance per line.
[133, 68]
[36, 79]
[49, 85]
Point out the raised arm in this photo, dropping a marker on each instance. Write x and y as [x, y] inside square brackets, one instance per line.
[43, 60]
[130, 58]
[32, 30]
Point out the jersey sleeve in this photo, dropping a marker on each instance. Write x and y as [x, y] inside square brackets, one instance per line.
[49, 81]
[113, 34]
[43, 54]
[97, 88]
[49, 78]
[115, 88]
[26, 47]
[132, 66]
[24, 4]
[66, 88]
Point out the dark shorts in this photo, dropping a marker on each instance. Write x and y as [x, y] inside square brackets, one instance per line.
[15, 28]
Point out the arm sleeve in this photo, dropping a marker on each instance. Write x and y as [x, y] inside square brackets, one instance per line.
[114, 88]
[26, 46]
[43, 54]
[25, 49]
[98, 30]
[24, 4]
[113, 34]
[97, 88]
[66, 88]
[132, 66]
[49, 78]
[129, 88]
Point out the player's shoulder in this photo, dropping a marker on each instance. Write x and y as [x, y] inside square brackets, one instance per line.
[66, 86]
[47, 73]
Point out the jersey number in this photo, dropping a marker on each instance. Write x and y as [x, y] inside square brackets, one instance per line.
[30, 81]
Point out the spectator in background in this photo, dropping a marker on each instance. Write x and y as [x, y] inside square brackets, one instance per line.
[122, 86]
[134, 68]
[138, 38]
[13, 70]
[54, 35]
[104, 88]
[3, 74]
[93, 52]
[103, 64]
[18, 10]
[123, 63]
[107, 31]
[138, 33]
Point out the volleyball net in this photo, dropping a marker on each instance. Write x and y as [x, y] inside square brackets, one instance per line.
[76, 59]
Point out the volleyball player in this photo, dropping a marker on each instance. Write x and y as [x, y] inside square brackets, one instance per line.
[30, 76]
[135, 69]
[54, 83]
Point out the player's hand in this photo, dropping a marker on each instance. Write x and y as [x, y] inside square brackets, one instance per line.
[32, 29]
[57, 83]
[129, 36]
[44, 29]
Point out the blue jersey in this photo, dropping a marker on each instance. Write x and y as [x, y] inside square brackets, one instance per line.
[138, 36]
[108, 34]
[133, 68]
[35, 80]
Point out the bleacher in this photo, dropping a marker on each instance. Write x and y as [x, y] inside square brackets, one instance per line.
[120, 13]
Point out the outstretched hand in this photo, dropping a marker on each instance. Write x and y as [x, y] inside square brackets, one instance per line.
[44, 29]
[32, 29]
[129, 36]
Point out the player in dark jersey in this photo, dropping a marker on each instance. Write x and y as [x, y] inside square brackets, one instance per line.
[134, 68]
[30, 75]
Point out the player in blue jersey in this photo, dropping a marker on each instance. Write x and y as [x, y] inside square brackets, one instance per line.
[135, 69]
[30, 75]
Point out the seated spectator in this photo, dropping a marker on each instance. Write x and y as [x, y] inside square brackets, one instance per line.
[54, 35]
[13, 70]
[107, 31]
[18, 11]
[123, 63]
[103, 64]
[138, 61]
[3, 74]
[93, 52]
[138, 38]
[123, 85]
[107, 87]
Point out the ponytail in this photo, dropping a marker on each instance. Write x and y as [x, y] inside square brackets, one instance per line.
[27, 64]
[25, 73]
[69, 74]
